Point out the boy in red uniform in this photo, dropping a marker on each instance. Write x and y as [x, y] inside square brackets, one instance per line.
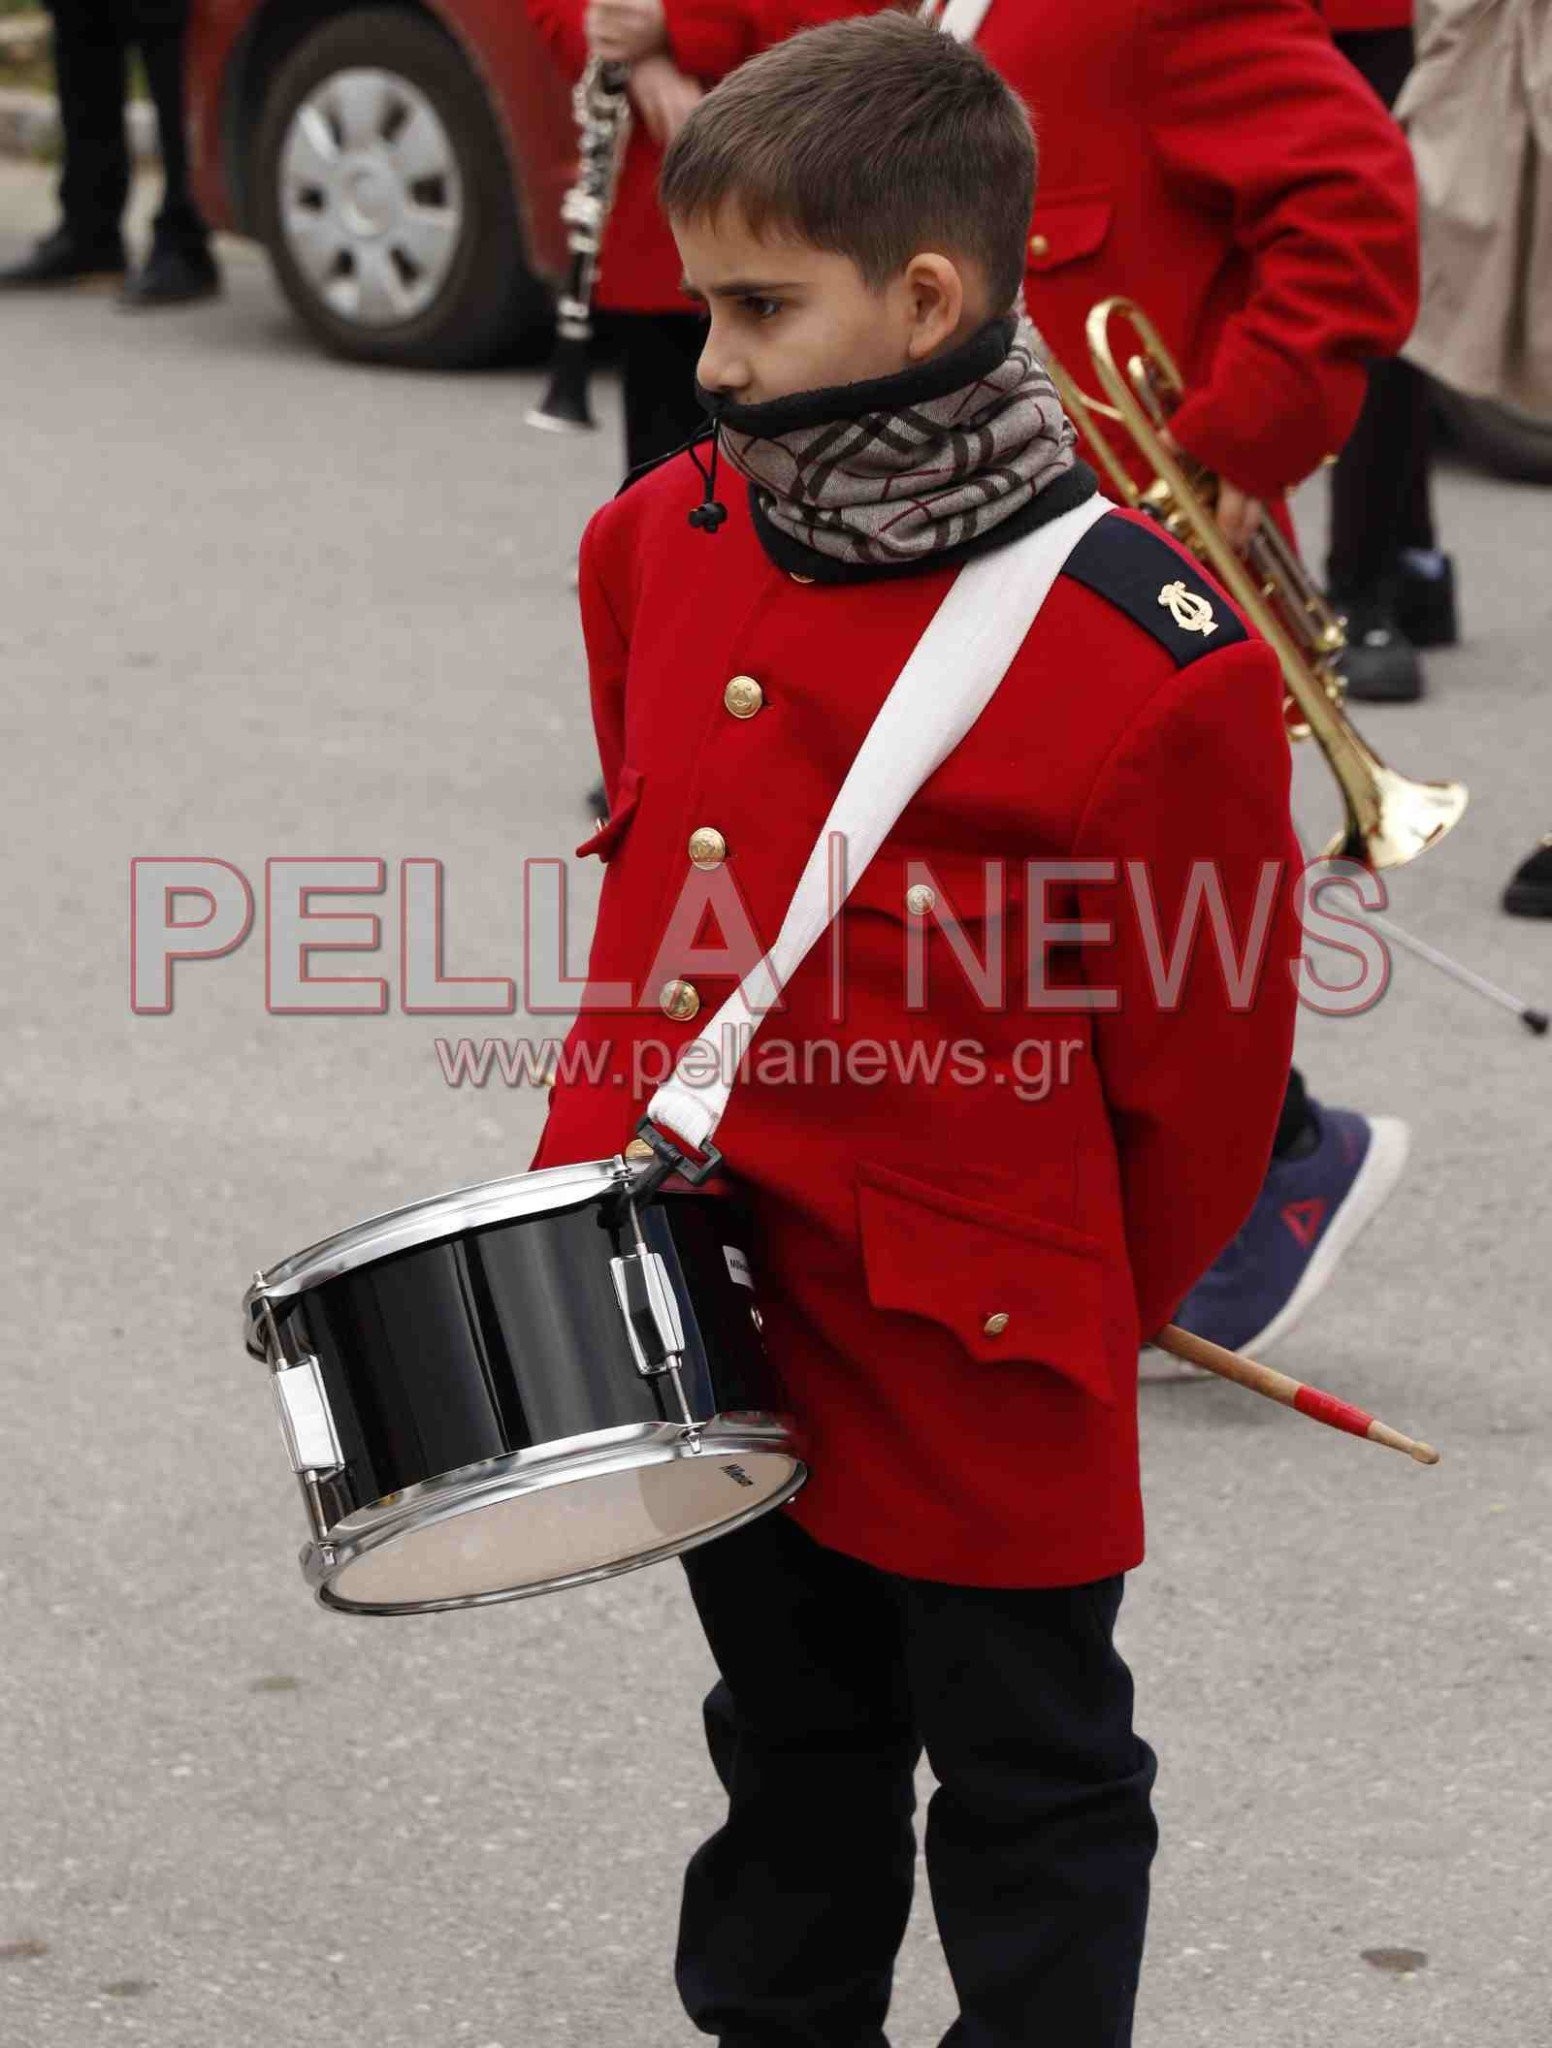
[955, 1264]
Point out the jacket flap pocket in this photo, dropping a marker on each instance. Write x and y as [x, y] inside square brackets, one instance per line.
[605, 841]
[1068, 225]
[1007, 1285]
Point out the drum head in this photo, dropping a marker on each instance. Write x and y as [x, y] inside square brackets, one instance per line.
[495, 1535]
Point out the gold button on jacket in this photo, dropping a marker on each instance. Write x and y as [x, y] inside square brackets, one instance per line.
[708, 848]
[920, 899]
[1039, 245]
[743, 696]
[680, 1000]
[995, 1325]
[638, 1148]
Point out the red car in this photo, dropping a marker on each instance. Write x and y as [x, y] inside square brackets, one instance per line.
[402, 164]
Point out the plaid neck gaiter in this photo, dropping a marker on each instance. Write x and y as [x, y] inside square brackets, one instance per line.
[905, 472]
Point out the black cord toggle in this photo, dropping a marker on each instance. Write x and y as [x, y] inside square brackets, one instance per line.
[709, 514]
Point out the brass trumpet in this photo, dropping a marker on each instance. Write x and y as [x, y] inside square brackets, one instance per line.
[1390, 819]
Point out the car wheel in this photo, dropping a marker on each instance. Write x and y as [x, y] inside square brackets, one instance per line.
[1500, 438]
[385, 198]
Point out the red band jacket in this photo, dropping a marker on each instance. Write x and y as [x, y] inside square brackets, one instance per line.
[970, 1198]
[1225, 166]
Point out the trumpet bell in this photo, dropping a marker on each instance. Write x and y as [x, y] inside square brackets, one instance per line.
[1391, 819]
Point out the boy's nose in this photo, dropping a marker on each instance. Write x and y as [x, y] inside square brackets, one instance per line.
[721, 370]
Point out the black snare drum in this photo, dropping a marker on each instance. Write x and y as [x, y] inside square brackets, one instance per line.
[521, 1386]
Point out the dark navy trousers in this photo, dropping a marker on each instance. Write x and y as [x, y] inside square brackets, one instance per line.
[92, 41]
[833, 1678]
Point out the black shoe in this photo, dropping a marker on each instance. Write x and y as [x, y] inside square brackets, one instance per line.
[59, 259]
[173, 277]
[1529, 893]
[1425, 598]
[598, 803]
[1379, 663]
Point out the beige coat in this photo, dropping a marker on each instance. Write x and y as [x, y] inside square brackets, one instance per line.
[1478, 110]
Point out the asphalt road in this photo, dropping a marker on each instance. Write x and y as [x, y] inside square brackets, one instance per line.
[255, 603]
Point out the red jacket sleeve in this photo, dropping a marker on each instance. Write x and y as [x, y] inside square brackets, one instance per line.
[607, 646]
[1193, 1075]
[607, 650]
[1258, 113]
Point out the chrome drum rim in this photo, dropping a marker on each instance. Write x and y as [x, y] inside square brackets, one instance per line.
[627, 1449]
[371, 203]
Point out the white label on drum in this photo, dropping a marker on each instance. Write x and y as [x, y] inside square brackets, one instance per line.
[738, 1266]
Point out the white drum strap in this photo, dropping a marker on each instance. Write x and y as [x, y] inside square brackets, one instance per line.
[963, 18]
[943, 688]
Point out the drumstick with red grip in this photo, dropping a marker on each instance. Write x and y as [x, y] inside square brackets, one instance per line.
[1277, 1386]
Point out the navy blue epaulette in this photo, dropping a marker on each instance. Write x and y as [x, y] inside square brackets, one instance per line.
[1146, 576]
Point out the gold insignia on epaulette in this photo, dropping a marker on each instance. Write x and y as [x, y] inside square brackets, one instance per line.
[1189, 609]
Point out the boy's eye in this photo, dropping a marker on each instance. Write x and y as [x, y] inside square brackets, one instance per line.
[762, 309]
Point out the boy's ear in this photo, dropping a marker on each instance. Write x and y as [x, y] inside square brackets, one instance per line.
[937, 301]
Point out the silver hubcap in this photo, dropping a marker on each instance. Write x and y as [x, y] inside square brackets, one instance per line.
[371, 204]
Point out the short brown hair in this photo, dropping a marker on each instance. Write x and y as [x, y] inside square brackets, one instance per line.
[875, 136]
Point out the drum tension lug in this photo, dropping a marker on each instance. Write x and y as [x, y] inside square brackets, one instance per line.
[671, 1159]
[651, 1314]
[306, 1420]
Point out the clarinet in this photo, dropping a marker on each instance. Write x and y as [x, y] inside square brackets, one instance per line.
[602, 113]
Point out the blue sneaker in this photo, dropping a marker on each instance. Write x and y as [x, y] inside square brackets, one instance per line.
[1308, 1213]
